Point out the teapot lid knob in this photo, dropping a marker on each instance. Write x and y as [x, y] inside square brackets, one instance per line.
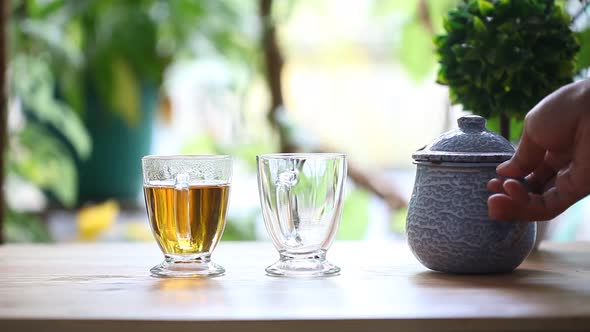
[472, 123]
[471, 143]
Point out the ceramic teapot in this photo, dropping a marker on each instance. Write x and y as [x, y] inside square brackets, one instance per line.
[448, 228]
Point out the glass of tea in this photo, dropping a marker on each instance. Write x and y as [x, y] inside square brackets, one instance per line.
[301, 199]
[186, 199]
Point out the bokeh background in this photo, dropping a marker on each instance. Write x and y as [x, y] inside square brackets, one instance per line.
[96, 84]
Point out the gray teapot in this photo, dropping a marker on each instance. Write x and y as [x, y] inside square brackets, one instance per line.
[448, 228]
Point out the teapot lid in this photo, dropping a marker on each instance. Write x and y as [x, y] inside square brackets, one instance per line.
[471, 143]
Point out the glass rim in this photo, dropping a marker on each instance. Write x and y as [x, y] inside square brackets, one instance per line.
[187, 157]
[302, 155]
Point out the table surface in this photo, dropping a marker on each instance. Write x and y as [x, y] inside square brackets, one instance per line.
[94, 287]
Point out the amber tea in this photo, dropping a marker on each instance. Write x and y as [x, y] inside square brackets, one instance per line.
[189, 219]
[186, 200]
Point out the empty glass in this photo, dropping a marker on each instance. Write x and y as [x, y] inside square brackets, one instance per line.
[186, 199]
[301, 199]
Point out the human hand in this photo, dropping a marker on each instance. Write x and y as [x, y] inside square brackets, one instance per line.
[553, 157]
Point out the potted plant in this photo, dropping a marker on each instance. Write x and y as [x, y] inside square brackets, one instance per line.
[109, 58]
[500, 57]
[126, 47]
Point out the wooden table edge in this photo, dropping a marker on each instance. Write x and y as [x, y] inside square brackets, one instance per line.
[309, 325]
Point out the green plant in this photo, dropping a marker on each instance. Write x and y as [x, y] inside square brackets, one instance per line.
[583, 63]
[422, 19]
[499, 58]
[34, 153]
[584, 56]
[115, 46]
[60, 47]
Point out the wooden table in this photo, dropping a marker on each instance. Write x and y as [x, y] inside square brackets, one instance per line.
[106, 287]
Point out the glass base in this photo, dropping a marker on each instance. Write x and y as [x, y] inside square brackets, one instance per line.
[193, 266]
[303, 265]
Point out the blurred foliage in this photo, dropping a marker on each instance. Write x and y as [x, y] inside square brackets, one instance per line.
[242, 228]
[423, 19]
[115, 45]
[34, 85]
[355, 216]
[44, 161]
[584, 55]
[416, 50]
[398, 221]
[516, 126]
[60, 48]
[418, 60]
[504, 56]
[42, 149]
[24, 227]
[201, 144]
[353, 226]
[245, 151]
[35, 152]
[248, 152]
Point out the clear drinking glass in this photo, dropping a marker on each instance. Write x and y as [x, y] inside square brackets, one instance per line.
[186, 199]
[301, 199]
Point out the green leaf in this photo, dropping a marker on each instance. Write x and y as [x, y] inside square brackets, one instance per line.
[72, 91]
[453, 25]
[441, 78]
[440, 41]
[583, 58]
[437, 10]
[485, 7]
[41, 9]
[126, 94]
[418, 59]
[478, 25]
[50, 36]
[35, 88]
[44, 161]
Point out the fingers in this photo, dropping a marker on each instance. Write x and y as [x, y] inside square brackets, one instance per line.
[526, 159]
[516, 191]
[518, 205]
[507, 205]
[502, 207]
[495, 185]
[547, 170]
[557, 153]
[543, 174]
[513, 203]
